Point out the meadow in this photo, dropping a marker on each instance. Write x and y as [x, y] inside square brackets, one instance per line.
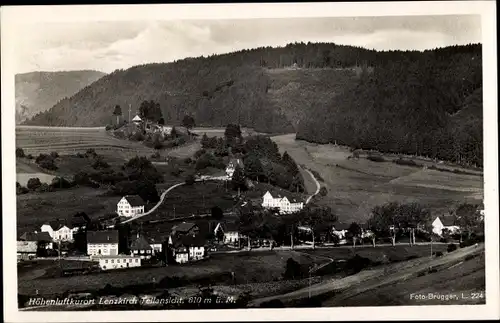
[247, 267]
[355, 186]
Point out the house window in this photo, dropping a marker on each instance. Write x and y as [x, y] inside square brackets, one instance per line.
[106, 261]
[112, 261]
[137, 260]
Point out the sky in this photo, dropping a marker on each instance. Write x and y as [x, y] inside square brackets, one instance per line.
[107, 46]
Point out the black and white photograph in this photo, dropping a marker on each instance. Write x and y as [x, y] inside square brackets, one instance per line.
[237, 160]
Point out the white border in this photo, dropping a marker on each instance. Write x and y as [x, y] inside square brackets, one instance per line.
[11, 16]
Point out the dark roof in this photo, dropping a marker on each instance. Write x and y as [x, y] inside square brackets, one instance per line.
[56, 225]
[230, 227]
[189, 241]
[341, 226]
[39, 236]
[134, 200]
[184, 227]
[447, 220]
[102, 236]
[140, 243]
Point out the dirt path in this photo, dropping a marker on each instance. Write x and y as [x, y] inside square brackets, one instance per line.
[318, 185]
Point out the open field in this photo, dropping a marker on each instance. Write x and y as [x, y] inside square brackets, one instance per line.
[33, 209]
[356, 186]
[337, 292]
[381, 253]
[219, 132]
[248, 268]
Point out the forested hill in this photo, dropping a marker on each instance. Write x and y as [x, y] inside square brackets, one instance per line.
[39, 91]
[394, 100]
[429, 106]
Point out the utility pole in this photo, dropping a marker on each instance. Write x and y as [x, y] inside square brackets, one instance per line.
[129, 110]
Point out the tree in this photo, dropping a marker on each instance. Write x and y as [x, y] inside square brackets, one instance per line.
[118, 113]
[318, 219]
[413, 216]
[173, 133]
[290, 164]
[33, 183]
[354, 231]
[204, 141]
[188, 122]
[220, 236]
[385, 221]
[253, 166]
[292, 270]
[190, 179]
[19, 153]
[232, 133]
[161, 122]
[150, 110]
[238, 180]
[217, 213]
[468, 218]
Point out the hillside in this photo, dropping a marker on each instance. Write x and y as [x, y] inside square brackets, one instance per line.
[39, 91]
[391, 101]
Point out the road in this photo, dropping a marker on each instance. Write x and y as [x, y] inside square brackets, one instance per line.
[375, 277]
[318, 185]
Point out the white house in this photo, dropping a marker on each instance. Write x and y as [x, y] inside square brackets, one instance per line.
[118, 261]
[340, 230]
[102, 243]
[231, 166]
[130, 205]
[282, 203]
[59, 232]
[445, 222]
[141, 248]
[188, 248]
[230, 230]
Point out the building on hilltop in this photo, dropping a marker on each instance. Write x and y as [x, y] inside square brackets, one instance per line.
[231, 166]
[102, 243]
[282, 203]
[130, 205]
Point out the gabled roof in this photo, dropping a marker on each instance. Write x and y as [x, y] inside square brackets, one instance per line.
[341, 226]
[140, 243]
[189, 241]
[447, 220]
[183, 227]
[56, 225]
[39, 236]
[137, 118]
[134, 200]
[229, 226]
[102, 236]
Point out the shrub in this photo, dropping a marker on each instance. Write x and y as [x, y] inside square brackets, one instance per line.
[155, 155]
[406, 162]
[438, 254]
[33, 183]
[137, 136]
[60, 182]
[80, 155]
[20, 153]
[109, 127]
[21, 190]
[292, 269]
[190, 179]
[176, 171]
[375, 158]
[29, 156]
[188, 160]
[199, 153]
[99, 163]
[48, 164]
[44, 188]
[451, 247]
[323, 191]
[54, 154]
[81, 178]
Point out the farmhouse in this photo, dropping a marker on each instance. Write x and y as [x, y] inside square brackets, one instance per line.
[188, 248]
[118, 261]
[141, 248]
[185, 228]
[230, 231]
[130, 205]
[445, 222]
[340, 230]
[137, 119]
[59, 232]
[102, 243]
[41, 239]
[282, 203]
[231, 166]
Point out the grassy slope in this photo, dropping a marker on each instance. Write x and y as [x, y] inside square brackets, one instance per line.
[358, 185]
[39, 91]
[34, 209]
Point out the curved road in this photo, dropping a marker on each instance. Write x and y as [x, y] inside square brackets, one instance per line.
[318, 185]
